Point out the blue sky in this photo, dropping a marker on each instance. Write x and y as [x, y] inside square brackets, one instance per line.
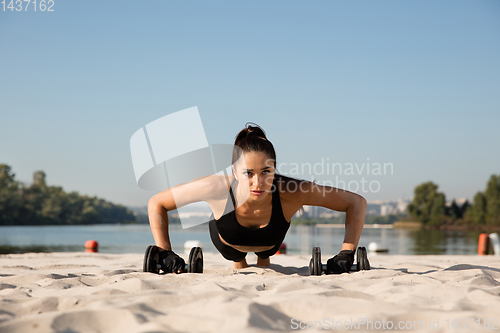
[412, 83]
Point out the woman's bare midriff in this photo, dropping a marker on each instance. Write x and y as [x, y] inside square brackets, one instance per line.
[242, 248]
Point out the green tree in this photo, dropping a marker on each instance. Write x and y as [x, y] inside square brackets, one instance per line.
[454, 211]
[492, 195]
[477, 211]
[33, 198]
[39, 180]
[10, 196]
[42, 204]
[90, 213]
[72, 206]
[53, 206]
[428, 205]
[486, 207]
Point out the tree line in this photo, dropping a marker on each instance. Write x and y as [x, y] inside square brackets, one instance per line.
[40, 204]
[429, 206]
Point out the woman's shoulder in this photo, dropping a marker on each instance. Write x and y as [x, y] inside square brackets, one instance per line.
[206, 188]
[290, 188]
[215, 185]
[287, 184]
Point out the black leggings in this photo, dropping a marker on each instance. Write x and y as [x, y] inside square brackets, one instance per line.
[230, 253]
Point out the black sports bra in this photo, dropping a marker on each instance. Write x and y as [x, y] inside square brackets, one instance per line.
[236, 234]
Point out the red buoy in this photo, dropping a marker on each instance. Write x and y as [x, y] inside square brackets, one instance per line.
[91, 246]
[484, 244]
[282, 249]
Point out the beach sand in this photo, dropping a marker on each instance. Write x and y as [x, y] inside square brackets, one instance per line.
[93, 292]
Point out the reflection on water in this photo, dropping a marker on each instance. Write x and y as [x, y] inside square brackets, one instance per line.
[299, 240]
[444, 242]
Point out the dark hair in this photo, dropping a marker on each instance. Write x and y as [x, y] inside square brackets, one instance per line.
[253, 138]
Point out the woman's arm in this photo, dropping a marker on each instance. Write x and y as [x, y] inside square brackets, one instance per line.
[354, 221]
[202, 189]
[158, 206]
[333, 198]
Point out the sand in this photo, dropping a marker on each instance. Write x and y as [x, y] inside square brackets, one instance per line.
[92, 292]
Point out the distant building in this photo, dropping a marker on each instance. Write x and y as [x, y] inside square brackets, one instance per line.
[316, 212]
[386, 210]
[311, 211]
[376, 207]
[387, 207]
[401, 206]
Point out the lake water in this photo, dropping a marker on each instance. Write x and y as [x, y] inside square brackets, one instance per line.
[299, 240]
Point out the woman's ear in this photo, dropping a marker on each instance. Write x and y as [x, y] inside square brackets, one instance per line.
[234, 172]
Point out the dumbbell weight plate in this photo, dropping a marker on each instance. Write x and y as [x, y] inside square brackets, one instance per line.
[315, 267]
[146, 256]
[318, 264]
[358, 259]
[362, 259]
[150, 260]
[195, 261]
[366, 262]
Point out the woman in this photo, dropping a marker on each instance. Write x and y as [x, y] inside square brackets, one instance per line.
[256, 214]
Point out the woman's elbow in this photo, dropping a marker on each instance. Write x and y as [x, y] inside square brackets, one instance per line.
[154, 204]
[359, 203]
[363, 203]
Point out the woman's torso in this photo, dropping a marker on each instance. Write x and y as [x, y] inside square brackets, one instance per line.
[254, 230]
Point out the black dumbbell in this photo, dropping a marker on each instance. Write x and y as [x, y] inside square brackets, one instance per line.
[317, 268]
[152, 260]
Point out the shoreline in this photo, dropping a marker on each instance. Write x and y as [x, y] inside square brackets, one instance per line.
[463, 228]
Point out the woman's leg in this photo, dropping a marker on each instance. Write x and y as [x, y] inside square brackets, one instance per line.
[263, 257]
[264, 262]
[227, 251]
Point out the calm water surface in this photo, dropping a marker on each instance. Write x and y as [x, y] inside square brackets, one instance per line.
[299, 240]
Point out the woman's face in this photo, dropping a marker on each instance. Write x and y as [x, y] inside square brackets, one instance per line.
[255, 173]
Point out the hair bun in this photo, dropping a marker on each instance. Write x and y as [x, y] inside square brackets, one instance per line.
[252, 138]
[254, 129]
[251, 131]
